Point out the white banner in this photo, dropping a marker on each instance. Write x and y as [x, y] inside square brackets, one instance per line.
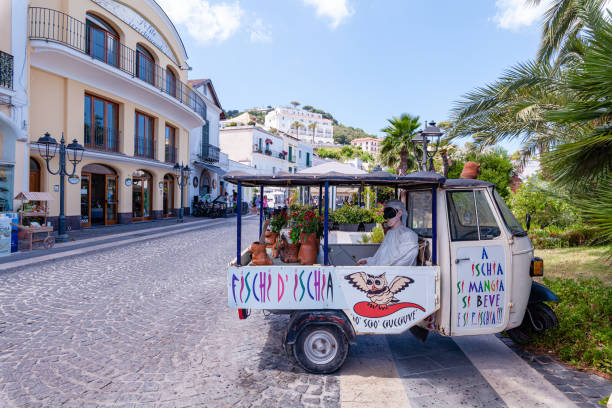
[481, 287]
[379, 299]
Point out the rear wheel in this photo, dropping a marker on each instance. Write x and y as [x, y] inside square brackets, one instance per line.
[538, 317]
[321, 349]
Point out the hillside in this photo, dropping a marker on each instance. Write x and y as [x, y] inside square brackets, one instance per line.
[343, 134]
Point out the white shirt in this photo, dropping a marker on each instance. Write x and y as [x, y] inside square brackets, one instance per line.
[399, 248]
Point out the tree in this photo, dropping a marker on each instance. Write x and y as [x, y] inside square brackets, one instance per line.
[295, 104]
[313, 127]
[396, 148]
[297, 125]
[344, 134]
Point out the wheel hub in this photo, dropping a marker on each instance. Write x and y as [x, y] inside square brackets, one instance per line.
[320, 347]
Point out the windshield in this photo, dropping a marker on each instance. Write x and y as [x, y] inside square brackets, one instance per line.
[511, 222]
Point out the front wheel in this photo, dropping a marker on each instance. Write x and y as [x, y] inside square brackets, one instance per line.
[538, 317]
[321, 349]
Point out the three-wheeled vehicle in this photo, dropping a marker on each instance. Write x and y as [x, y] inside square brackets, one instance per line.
[473, 274]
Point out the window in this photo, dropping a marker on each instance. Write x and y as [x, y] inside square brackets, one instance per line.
[300, 154]
[511, 222]
[419, 212]
[170, 156]
[145, 65]
[102, 41]
[101, 124]
[170, 83]
[143, 136]
[471, 217]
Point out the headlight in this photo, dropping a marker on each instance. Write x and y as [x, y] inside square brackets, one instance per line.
[537, 267]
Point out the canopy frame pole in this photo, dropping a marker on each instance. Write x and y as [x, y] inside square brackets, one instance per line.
[321, 199]
[239, 224]
[396, 191]
[434, 226]
[326, 226]
[261, 208]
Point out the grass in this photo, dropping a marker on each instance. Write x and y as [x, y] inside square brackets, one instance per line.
[582, 278]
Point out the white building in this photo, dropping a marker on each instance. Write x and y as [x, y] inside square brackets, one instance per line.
[368, 144]
[284, 118]
[208, 164]
[255, 147]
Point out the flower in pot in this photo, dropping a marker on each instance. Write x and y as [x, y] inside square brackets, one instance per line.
[277, 223]
[311, 228]
[289, 251]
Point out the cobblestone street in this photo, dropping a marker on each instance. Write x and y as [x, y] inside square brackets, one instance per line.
[145, 324]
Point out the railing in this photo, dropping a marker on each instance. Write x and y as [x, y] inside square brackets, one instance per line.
[6, 70]
[145, 148]
[55, 26]
[170, 154]
[106, 139]
[209, 153]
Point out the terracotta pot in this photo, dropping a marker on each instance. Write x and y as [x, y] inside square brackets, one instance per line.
[271, 238]
[289, 252]
[309, 249]
[259, 255]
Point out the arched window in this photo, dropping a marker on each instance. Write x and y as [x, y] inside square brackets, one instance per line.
[170, 82]
[102, 40]
[34, 175]
[145, 65]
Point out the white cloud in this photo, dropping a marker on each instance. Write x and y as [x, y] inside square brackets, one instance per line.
[260, 32]
[337, 10]
[205, 22]
[513, 14]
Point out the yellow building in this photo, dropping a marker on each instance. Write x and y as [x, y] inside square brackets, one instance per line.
[112, 75]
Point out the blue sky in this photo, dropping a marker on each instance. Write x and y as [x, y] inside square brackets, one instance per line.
[363, 61]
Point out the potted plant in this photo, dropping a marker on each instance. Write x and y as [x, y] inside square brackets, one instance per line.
[311, 227]
[277, 223]
[289, 250]
[348, 218]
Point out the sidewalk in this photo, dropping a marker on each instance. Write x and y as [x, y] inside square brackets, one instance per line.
[98, 238]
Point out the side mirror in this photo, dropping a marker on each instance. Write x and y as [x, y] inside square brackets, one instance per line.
[527, 221]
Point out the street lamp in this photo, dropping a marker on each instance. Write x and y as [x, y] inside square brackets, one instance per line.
[422, 138]
[182, 175]
[47, 148]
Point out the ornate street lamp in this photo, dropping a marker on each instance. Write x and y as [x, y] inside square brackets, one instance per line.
[422, 138]
[182, 176]
[47, 148]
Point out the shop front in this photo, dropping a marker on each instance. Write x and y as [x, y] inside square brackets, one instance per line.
[99, 201]
[142, 193]
[168, 196]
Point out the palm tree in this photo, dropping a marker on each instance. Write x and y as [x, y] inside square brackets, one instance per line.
[297, 125]
[313, 126]
[396, 147]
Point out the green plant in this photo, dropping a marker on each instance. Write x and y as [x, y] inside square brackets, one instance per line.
[294, 234]
[375, 237]
[377, 213]
[232, 124]
[584, 335]
[396, 149]
[351, 214]
[277, 222]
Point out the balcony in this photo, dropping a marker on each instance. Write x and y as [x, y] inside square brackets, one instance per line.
[145, 148]
[104, 139]
[55, 26]
[6, 70]
[292, 159]
[170, 154]
[209, 153]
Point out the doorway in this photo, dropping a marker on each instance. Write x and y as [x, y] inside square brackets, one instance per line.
[142, 182]
[99, 203]
[168, 196]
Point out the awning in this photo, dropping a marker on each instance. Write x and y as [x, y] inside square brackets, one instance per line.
[34, 196]
[212, 168]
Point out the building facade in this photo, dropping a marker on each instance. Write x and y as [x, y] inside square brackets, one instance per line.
[253, 146]
[312, 127]
[114, 78]
[368, 144]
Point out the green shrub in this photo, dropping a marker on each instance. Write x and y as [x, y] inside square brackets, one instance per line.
[554, 237]
[351, 214]
[375, 237]
[584, 334]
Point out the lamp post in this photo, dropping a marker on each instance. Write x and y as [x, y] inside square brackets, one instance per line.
[182, 175]
[422, 138]
[47, 148]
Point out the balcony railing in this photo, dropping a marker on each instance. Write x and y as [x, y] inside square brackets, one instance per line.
[145, 148]
[209, 153]
[269, 152]
[6, 70]
[55, 26]
[170, 155]
[106, 139]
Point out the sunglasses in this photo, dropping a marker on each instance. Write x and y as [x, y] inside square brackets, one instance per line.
[389, 213]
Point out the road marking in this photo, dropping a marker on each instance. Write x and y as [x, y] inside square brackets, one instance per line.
[369, 377]
[517, 383]
[81, 251]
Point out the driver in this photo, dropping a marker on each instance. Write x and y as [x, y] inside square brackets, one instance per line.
[401, 245]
